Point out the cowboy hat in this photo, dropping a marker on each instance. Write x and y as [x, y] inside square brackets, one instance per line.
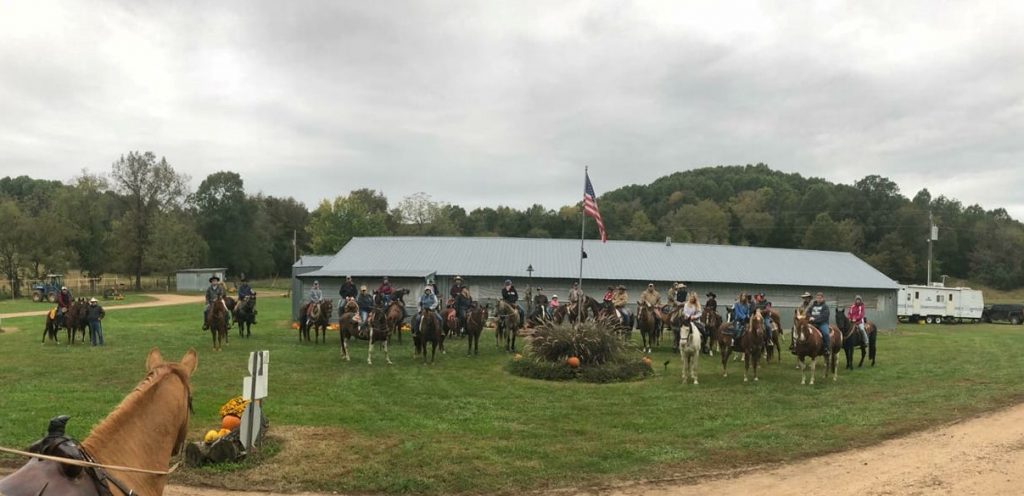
[806, 294]
[214, 278]
[554, 297]
[92, 300]
[680, 285]
[458, 278]
[711, 294]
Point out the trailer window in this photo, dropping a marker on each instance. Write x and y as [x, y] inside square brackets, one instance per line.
[917, 296]
[950, 296]
[938, 298]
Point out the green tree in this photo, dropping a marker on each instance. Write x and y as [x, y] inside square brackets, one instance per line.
[286, 221]
[147, 187]
[227, 220]
[640, 228]
[705, 222]
[12, 239]
[88, 207]
[334, 223]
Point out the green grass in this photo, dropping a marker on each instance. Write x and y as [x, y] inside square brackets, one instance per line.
[27, 305]
[465, 425]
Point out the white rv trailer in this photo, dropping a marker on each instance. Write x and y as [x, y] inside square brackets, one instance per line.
[935, 304]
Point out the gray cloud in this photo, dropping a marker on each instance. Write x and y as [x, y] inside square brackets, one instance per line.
[504, 103]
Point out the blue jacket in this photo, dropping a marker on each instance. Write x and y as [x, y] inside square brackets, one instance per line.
[428, 301]
[741, 312]
[365, 302]
[244, 290]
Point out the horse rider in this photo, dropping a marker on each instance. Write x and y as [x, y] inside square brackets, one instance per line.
[511, 296]
[818, 315]
[429, 302]
[806, 301]
[385, 291]
[858, 316]
[761, 303]
[691, 315]
[651, 297]
[365, 302]
[245, 291]
[677, 295]
[608, 296]
[540, 304]
[575, 297]
[63, 303]
[213, 293]
[741, 313]
[619, 301]
[348, 290]
[552, 306]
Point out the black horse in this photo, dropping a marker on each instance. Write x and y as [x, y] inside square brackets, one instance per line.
[429, 332]
[853, 338]
[245, 315]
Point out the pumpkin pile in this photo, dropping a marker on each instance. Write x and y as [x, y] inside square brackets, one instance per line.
[231, 419]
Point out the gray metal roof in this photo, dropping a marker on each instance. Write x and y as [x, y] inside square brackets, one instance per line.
[614, 260]
[313, 260]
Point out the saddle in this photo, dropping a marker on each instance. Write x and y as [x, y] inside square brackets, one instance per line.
[42, 477]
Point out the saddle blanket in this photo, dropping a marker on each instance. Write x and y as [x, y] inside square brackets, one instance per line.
[53, 313]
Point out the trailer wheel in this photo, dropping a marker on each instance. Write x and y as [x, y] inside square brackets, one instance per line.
[928, 319]
[1015, 320]
[52, 298]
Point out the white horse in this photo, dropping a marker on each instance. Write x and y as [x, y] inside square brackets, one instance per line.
[689, 350]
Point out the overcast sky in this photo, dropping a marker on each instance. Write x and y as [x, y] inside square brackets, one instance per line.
[486, 103]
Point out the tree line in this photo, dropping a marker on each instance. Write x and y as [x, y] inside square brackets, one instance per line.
[141, 219]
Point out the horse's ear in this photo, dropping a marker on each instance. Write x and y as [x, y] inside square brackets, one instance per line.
[190, 360]
[154, 359]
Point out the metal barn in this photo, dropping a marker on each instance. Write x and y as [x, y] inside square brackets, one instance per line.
[484, 263]
[197, 279]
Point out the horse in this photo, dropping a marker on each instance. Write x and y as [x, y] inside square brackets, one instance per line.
[773, 346]
[394, 313]
[377, 330]
[807, 342]
[216, 320]
[75, 321]
[507, 326]
[690, 341]
[53, 324]
[853, 338]
[579, 313]
[429, 331]
[450, 320]
[611, 317]
[143, 432]
[317, 316]
[244, 314]
[712, 321]
[474, 327]
[750, 343]
[647, 321]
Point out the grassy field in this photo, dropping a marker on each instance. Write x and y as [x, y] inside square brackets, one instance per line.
[464, 425]
[27, 305]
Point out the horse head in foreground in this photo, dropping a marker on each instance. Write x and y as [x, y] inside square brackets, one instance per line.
[128, 452]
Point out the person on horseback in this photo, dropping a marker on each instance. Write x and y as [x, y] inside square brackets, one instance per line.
[552, 306]
[858, 317]
[540, 304]
[608, 296]
[348, 290]
[429, 302]
[213, 293]
[712, 304]
[651, 297]
[818, 315]
[677, 295]
[806, 301]
[365, 303]
[510, 295]
[63, 303]
[761, 303]
[692, 312]
[245, 291]
[575, 297]
[619, 301]
[385, 291]
[741, 312]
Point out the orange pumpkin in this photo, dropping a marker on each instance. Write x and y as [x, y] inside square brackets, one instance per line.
[230, 422]
[573, 362]
[295, 325]
[223, 432]
[646, 360]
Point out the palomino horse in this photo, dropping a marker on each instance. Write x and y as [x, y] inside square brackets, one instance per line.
[317, 316]
[507, 326]
[475, 319]
[244, 314]
[377, 330]
[807, 342]
[750, 343]
[689, 348]
[853, 338]
[429, 331]
[143, 432]
[216, 320]
[647, 321]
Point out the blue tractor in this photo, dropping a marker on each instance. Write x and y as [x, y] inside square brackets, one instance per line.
[47, 289]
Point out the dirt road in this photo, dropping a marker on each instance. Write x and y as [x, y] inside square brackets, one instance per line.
[979, 456]
[159, 300]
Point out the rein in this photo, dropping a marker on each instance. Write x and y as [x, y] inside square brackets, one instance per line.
[88, 464]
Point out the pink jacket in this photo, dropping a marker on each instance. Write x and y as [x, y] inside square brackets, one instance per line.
[856, 313]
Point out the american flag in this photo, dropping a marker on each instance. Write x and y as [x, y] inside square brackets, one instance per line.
[590, 207]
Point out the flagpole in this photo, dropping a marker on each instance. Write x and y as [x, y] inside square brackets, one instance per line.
[583, 227]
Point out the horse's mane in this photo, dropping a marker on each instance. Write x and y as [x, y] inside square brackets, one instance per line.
[141, 393]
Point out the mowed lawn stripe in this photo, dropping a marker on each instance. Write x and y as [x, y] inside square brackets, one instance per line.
[464, 425]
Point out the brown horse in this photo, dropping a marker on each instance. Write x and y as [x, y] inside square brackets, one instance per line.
[376, 331]
[450, 320]
[577, 313]
[216, 320]
[773, 345]
[750, 343]
[394, 316]
[712, 321]
[143, 432]
[475, 319]
[75, 321]
[317, 316]
[429, 331]
[647, 321]
[807, 342]
[508, 325]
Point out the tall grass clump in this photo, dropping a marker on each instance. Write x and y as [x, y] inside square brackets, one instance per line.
[603, 355]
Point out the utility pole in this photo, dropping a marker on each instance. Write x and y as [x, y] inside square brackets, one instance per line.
[933, 235]
[295, 246]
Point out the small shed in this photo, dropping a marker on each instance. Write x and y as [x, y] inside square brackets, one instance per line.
[197, 279]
